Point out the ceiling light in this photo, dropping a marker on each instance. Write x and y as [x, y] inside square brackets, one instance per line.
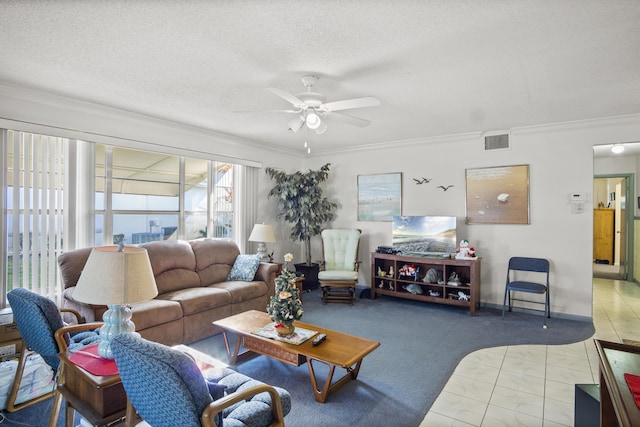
[313, 120]
[617, 148]
[322, 128]
[296, 123]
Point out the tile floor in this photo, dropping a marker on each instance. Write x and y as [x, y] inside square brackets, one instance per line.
[533, 385]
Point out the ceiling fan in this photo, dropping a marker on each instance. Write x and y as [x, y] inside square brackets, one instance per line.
[311, 107]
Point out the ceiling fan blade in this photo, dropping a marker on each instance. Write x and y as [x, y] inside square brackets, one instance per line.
[368, 101]
[346, 118]
[269, 111]
[292, 99]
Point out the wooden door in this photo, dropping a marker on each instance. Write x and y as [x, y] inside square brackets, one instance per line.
[603, 234]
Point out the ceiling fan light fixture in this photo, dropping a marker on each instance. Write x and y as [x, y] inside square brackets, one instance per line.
[296, 124]
[617, 148]
[322, 128]
[313, 120]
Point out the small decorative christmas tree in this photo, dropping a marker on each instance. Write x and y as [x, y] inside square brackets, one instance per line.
[285, 306]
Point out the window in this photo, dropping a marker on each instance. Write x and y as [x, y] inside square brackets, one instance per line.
[144, 195]
[148, 196]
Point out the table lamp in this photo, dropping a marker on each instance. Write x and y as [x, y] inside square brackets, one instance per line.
[116, 276]
[262, 233]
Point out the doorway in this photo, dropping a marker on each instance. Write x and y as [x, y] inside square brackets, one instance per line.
[611, 229]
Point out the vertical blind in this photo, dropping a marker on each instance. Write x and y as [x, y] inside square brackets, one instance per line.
[34, 213]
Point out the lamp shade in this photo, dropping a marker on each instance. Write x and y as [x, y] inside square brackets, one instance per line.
[262, 233]
[296, 123]
[313, 120]
[116, 277]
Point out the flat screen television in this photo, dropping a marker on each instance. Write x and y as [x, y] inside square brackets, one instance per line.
[424, 235]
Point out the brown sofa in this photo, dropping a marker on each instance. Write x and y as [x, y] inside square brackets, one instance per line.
[192, 289]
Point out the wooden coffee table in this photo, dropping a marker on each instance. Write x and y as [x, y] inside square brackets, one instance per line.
[338, 350]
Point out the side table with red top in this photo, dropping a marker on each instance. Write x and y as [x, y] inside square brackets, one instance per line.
[91, 385]
[100, 399]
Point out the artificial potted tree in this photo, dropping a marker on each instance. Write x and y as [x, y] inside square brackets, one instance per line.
[301, 204]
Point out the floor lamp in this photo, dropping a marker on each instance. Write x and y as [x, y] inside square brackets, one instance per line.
[116, 276]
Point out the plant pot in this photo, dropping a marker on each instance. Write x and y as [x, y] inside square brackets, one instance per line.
[310, 273]
[284, 330]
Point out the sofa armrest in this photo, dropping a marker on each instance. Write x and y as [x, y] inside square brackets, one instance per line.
[209, 413]
[267, 272]
[77, 316]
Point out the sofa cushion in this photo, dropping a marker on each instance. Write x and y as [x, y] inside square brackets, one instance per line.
[214, 259]
[196, 300]
[242, 291]
[71, 264]
[155, 312]
[244, 268]
[173, 263]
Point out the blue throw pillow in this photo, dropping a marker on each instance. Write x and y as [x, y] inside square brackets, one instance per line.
[216, 391]
[244, 268]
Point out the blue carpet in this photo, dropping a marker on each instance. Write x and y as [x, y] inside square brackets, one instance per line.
[421, 344]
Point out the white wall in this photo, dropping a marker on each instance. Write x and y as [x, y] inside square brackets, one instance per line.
[561, 162]
[560, 158]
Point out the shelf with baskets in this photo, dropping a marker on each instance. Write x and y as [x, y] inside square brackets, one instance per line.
[439, 280]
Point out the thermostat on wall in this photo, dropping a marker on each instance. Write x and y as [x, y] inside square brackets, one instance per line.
[577, 197]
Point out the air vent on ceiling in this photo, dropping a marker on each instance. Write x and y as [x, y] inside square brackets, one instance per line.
[496, 142]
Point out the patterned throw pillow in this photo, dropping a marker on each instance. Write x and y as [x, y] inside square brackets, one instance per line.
[244, 268]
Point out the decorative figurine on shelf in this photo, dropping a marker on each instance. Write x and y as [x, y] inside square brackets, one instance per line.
[434, 293]
[413, 288]
[454, 279]
[409, 271]
[285, 306]
[465, 251]
[391, 271]
[390, 285]
[381, 273]
[462, 296]
[432, 276]
[381, 285]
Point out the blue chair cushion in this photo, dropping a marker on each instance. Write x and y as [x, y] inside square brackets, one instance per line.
[244, 268]
[216, 391]
[250, 413]
[37, 318]
[178, 394]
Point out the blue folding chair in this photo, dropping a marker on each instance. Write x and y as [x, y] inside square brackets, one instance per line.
[535, 282]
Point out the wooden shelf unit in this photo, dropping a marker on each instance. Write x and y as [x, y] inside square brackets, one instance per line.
[468, 270]
[603, 235]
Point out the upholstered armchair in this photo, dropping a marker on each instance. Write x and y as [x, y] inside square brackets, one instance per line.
[166, 387]
[40, 323]
[338, 274]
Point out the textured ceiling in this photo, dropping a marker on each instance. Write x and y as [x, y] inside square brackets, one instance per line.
[438, 67]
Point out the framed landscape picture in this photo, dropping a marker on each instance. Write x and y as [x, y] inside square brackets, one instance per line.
[379, 196]
[498, 195]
